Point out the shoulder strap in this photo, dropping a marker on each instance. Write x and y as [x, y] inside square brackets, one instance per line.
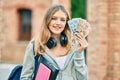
[35, 59]
[15, 73]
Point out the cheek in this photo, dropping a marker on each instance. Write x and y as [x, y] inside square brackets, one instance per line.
[50, 24]
[49, 27]
[64, 25]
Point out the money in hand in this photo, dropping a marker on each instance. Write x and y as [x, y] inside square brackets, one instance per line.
[79, 26]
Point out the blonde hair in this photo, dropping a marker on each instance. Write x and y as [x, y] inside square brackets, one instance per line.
[45, 33]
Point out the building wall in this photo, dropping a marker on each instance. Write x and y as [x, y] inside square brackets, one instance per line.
[1, 45]
[114, 40]
[103, 55]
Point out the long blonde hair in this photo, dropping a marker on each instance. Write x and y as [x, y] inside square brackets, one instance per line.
[45, 33]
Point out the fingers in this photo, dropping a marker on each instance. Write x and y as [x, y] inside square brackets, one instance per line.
[80, 34]
[82, 43]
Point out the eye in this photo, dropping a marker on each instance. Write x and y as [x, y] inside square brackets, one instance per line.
[53, 18]
[63, 20]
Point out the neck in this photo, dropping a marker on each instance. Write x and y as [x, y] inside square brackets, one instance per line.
[57, 38]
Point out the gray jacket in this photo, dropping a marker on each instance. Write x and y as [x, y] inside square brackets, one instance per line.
[74, 68]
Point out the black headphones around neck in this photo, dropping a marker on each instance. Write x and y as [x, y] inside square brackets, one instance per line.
[52, 42]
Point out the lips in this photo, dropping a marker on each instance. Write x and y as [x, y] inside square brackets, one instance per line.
[56, 27]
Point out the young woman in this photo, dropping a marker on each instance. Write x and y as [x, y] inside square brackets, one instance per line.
[55, 43]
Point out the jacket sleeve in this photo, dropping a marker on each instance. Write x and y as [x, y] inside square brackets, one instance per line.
[80, 66]
[28, 64]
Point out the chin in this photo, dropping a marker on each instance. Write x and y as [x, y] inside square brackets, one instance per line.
[57, 33]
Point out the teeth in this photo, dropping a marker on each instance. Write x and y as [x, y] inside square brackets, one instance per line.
[56, 27]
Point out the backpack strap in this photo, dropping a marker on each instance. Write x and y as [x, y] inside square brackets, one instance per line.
[15, 73]
[36, 60]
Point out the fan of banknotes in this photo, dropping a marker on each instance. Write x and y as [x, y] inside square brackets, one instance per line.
[79, 26]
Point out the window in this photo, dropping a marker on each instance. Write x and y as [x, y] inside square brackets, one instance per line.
[24, 24]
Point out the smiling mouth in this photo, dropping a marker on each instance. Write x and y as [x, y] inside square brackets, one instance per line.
[57, 27]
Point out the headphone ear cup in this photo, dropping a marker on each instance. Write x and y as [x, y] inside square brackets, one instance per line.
[51, 43]
[63, 39]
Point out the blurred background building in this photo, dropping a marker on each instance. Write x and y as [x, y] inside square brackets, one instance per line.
[20, 21]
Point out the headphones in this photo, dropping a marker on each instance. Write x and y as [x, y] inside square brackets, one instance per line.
[52, 42]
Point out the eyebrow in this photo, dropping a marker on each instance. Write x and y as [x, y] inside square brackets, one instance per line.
[60, 17]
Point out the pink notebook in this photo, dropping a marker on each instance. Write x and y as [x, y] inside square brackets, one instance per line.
[43, 72]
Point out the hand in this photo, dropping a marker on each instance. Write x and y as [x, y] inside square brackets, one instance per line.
[82, 42]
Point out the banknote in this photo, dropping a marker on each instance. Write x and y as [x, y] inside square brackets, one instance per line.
[79, 26]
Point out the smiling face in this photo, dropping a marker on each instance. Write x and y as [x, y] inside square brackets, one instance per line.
[57, 22]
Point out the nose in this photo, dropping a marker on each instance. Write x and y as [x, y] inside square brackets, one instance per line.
[58, 22]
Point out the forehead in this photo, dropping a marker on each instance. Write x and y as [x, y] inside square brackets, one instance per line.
[60, 14]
